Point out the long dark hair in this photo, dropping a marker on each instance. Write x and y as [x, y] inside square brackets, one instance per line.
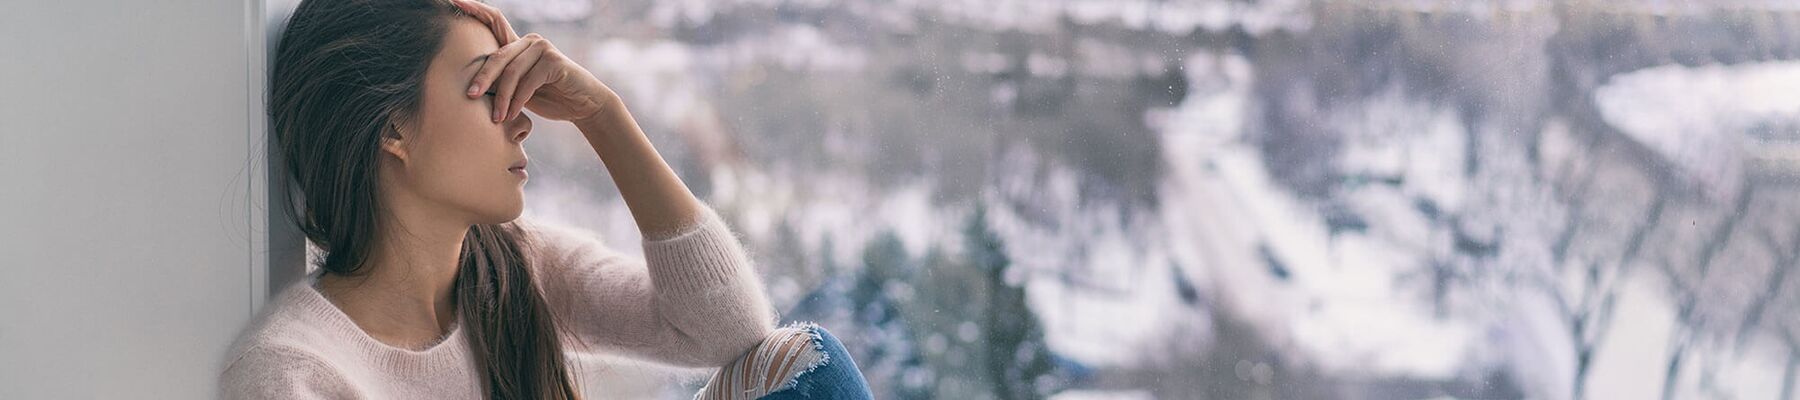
[345, 73]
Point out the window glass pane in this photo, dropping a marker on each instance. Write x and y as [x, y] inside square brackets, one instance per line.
[1233, 199]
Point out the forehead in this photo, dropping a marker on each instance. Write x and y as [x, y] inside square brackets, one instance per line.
[465, 39]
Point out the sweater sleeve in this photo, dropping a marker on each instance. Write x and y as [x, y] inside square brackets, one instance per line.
[263, 372]
[693, 300]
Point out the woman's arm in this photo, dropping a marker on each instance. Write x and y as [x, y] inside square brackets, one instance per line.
[695, 299]
[658, 199]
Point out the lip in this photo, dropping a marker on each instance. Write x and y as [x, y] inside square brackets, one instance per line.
[518, 168]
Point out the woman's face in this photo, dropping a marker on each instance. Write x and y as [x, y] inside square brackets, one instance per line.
[452, 159]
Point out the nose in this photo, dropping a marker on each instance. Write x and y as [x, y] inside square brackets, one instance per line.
[519, 128]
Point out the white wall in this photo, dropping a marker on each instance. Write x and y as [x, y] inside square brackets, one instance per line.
[133, 240]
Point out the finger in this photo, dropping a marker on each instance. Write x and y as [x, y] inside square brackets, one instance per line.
[496, 21]
[508, 84]
[490, 69]
[488, 15]
[528, 86]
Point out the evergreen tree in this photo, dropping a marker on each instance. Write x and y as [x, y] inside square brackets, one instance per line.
[1017, 359]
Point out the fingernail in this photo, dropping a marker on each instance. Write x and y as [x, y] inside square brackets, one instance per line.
[474, 89]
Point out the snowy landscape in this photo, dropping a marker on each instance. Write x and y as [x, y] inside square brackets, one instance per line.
[1228, 199]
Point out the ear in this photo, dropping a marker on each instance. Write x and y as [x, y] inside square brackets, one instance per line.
[395, 140]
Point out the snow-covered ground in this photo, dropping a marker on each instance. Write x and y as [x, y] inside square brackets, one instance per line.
[1706, 120]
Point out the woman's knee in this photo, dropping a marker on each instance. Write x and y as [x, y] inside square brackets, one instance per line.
[773, 365]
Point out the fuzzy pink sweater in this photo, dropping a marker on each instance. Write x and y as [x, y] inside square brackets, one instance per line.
[693, 300]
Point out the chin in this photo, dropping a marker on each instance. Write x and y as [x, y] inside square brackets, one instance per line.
[512, 213]
[510, 217]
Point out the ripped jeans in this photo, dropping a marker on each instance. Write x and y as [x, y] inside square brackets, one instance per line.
[802, 361]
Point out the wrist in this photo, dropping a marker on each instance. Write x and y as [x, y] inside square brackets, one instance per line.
[607, 108]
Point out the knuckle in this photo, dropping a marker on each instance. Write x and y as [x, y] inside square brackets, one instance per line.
[513, 72]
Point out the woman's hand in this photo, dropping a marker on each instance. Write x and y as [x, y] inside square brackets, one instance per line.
[529, 72]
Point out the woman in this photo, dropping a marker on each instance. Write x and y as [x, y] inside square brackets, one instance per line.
[402, 125]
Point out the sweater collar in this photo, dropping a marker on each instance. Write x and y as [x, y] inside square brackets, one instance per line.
[450, 352]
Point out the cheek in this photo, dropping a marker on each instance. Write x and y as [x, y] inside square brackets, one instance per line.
[458, 135]
[462, 167]
[457, 156]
